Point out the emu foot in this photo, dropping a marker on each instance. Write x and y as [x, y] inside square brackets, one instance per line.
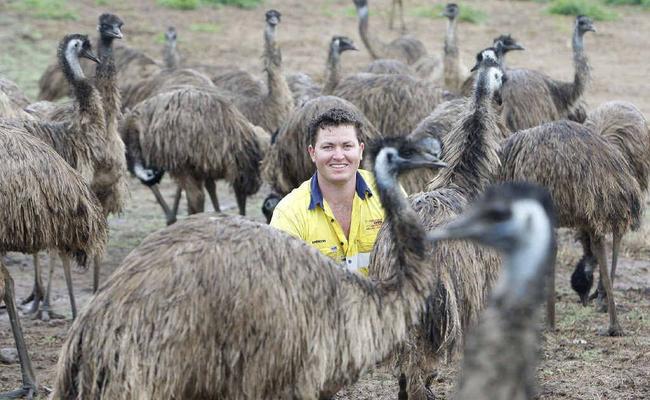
[45, 314]
[26, 392]
[601, 304]
[612, 330]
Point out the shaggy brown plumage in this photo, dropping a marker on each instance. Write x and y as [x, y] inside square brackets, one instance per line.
[44, 205]
[466, 271]
[306, 327]
[405, 48]
[196, 134]
[160, 82]
[393, 103]
[592, 183]
[15, 94]
[531, 98]
[287, 163]
[388, 66]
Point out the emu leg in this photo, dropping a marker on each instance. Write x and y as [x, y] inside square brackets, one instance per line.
[550, 299]
[171, 218]
[37, 292]
[44, 314]
[598, 245]
[391, 16]
[177, 201]
[211, 187]
[194, 192]
[241, 201]
[616, 245]
[97, 266]
[29, 381]
[401, 16]
[68, 282]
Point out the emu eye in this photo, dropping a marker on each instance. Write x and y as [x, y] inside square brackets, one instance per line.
[408, 152]
[498, 213]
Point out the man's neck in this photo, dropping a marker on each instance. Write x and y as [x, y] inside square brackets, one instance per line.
[337, 194]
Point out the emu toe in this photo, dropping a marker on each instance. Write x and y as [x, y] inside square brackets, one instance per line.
[612, 330]
[26, 392]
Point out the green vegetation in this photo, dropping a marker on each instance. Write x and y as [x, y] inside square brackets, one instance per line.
[47, 9]
[467, 13]
[644, 3]
[205, 27]
[193, 4]
[589, 8]
[236, 3]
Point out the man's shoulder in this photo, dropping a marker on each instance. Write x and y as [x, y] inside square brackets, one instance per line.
[296, 200]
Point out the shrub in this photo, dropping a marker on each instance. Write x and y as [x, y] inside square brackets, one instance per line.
[582, 7]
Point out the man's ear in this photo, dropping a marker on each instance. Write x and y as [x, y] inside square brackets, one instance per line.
[361, 146]
[310, 150]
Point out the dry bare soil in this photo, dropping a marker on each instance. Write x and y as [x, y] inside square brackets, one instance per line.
[577, 364]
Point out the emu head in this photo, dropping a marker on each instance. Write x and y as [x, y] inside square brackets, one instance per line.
[582, 278]
[360, 3]
[584, 24]
[451, 11]
[170, 35]
[488, 53]
[110, 26]
[71, 48]
[273, 18]
[340, 44]
[507, 43]
[518, 220]
[270, 202]
[393, 155]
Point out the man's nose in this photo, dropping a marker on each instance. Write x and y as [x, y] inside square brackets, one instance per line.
[339, 153]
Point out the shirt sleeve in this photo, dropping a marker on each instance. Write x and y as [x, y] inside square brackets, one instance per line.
[287, 223]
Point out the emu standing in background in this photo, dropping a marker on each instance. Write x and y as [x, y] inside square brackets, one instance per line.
[625, 127]
[531, 98]
[304, 88]
[502, 350]
[44, 205]
[198, 136]
[81, 140]
[307, 328]
[399, 5]
[405, 48]
[590, 178]
[466, 271]
[171, 58]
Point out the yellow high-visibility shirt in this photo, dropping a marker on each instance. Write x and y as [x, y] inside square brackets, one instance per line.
[304, 214]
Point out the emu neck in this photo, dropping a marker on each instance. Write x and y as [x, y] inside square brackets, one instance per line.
[371, 43]
[581, 65]
[332, 71]
[170, 55]
[470, 149]
[452, 61]
[278, 100]
[106, 81]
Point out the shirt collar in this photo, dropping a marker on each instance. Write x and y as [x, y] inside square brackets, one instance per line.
[316, 196]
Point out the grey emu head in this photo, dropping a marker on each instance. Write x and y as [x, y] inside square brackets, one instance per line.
[170, 35]
[451, 11]
[508, 216]
[273, 17]
[75, 46]
[507, 43]
[342, 43]
[584, 24]
[393, 155]
[582, 278]
[268, 206]
[490, 53]
[110, 26]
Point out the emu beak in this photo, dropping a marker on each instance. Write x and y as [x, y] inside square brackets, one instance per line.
[89, 55]
[518, 47]
[117, 33]
[466, 226]
[474, 68]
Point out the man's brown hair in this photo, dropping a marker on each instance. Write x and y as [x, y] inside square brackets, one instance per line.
[332, 118]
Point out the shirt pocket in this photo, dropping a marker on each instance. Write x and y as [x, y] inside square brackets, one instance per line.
[328, 249]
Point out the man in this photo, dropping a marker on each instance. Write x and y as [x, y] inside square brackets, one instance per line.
[338, 210]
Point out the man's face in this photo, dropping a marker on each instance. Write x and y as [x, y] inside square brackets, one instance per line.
[337, 153]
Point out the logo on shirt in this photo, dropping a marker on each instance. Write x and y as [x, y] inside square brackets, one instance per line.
[318, 241]
[374, 224]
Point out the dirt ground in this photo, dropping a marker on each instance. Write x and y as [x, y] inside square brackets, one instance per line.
[576, 363]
